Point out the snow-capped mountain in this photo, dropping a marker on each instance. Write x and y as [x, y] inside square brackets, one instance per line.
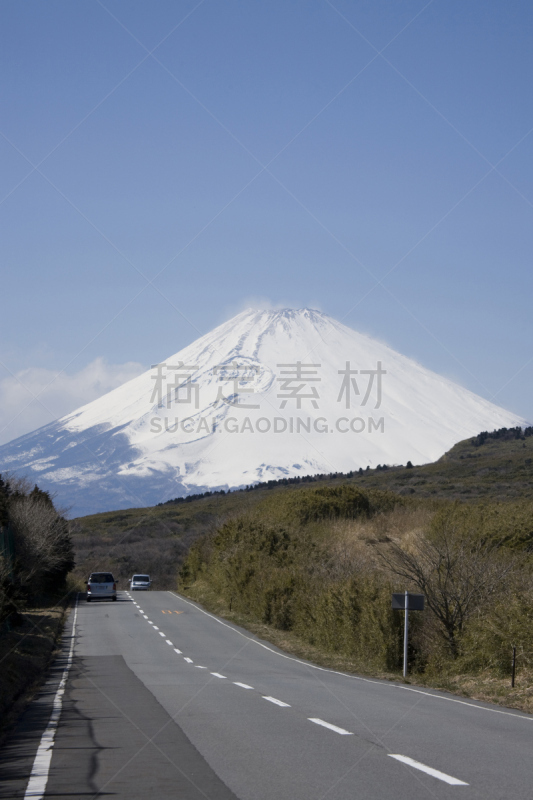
[267, 395]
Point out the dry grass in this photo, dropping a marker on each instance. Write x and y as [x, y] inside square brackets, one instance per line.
[491, 689]
[349, 539]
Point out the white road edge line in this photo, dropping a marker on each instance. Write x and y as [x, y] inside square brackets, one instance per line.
[274, 700]
[385, 685]
[218, 675]
[429, 770]
[41, 765]
[330, 726]
[242, 685]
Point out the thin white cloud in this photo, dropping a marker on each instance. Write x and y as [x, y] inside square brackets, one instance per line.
[262, 303]
[57, 393]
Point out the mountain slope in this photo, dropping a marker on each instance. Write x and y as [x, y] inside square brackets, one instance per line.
[263, 396]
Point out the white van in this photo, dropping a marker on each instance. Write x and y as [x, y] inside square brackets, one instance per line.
[140, 583]
[101, 586]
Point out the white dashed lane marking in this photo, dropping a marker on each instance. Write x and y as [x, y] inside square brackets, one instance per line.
[163, 634]
[277, 702]
[428, 770]
[435, 773]
[329, 726]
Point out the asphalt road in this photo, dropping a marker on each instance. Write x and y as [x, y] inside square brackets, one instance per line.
[163, 700]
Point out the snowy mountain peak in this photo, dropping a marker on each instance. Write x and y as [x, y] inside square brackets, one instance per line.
[268, 394]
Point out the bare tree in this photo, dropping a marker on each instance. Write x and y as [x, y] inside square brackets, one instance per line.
[43, 549]
[456, 571]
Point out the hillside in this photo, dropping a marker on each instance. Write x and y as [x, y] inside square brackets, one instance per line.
[493, 468]
[157, 538]
[312, 570]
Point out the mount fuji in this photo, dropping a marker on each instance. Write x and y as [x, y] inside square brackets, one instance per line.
[267, 395]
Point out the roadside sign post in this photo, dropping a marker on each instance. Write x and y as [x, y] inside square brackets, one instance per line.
[407, 602]
[405, 634]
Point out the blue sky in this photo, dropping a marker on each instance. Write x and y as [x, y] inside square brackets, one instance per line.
[164, 165]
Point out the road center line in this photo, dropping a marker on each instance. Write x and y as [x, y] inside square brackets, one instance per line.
[429, 770]
[169, 642]
[162, 634]
[177, 651]
[242, 685]
[218, 675]
[188, 660]
[277, 702]
[199, 667]
[41, 765]
[330, 726]
[155, 627]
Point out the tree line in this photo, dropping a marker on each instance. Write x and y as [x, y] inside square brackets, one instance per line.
[502, 434]
[275, 482]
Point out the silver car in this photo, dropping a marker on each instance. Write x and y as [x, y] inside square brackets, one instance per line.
[101, 586]
[140, 582]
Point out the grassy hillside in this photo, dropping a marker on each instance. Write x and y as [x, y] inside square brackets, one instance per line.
[153, 540]
[313, 570]
[495, 468]
[157, 539]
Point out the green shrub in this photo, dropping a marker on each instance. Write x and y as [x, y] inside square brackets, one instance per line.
[327, 502]
[308, 561]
